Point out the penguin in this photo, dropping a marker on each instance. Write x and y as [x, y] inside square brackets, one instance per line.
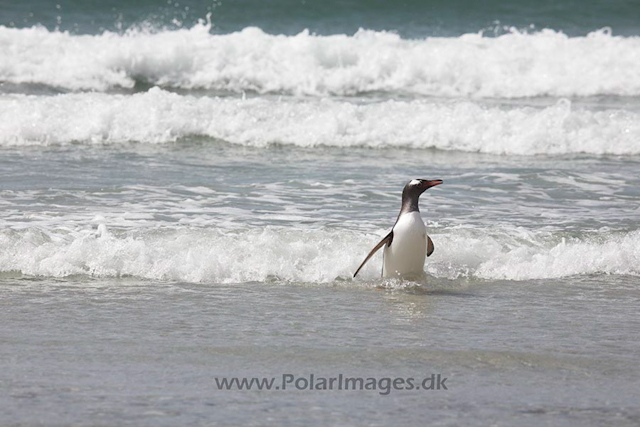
[407, 244]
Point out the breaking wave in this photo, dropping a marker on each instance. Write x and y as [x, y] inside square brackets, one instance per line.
[316, 256]
[158, 116]
[544, 63]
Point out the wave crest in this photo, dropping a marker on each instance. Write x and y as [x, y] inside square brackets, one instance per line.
[546, 63]
[316, 256]
[158, 116]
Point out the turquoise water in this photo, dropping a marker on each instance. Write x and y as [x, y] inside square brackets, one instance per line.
[408, 18]
[185, 197]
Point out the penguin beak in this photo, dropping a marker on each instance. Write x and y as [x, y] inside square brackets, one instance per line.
[428, 184]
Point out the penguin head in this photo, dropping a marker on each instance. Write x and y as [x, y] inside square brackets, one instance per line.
[416, 187]
[412, 192]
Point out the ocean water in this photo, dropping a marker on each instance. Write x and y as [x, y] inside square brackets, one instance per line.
[186, 189]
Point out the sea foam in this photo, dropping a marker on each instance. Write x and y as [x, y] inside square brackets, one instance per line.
[314, 256]
[159, 116]
[544, 63]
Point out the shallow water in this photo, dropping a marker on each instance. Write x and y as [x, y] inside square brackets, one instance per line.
[127, 351]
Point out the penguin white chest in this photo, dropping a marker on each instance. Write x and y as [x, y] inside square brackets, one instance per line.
[408, 249]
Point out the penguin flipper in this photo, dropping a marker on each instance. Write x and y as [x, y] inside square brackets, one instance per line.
[386, 240]
[430, 246]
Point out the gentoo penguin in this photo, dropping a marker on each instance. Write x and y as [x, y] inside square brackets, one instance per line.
[407, 244]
